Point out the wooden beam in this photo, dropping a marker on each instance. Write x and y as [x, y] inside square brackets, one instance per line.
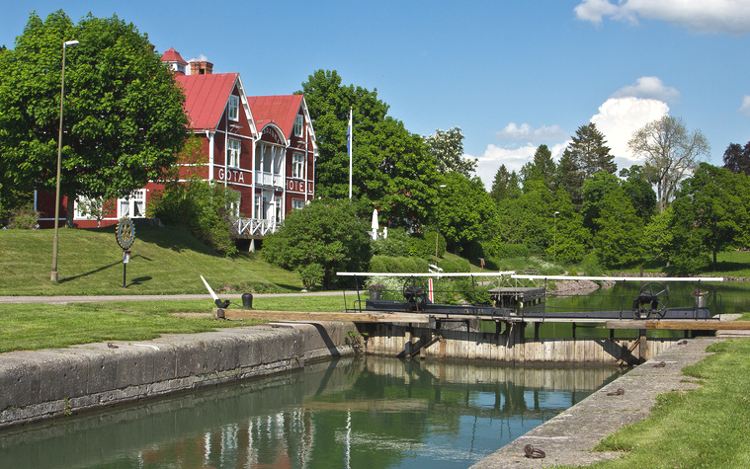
[292, 316]
[680, 325]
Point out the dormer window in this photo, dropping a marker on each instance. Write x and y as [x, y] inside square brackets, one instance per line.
[233, 109]
[298, 122]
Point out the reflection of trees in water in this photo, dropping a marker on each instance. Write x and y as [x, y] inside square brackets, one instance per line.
[299, 420]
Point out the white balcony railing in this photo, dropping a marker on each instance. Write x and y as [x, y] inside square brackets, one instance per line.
[255, 227]
[269, 179]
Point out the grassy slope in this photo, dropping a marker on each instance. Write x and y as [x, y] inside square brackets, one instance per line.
[32, 326]
[729, 264]
[707, 427]
[164, 260]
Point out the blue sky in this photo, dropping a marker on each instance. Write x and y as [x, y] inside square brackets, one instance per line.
[511, 74]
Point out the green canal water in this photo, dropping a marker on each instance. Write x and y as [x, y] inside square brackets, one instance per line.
[352, 413]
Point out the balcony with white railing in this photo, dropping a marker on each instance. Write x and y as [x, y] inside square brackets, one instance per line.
[254, 228]
[269, 179]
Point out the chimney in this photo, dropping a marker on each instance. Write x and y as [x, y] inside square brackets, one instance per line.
[201, 67]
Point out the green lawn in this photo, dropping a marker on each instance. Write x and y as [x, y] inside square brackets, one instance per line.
[707, 427]
[35, 326]
[164, 260]
[728, 264]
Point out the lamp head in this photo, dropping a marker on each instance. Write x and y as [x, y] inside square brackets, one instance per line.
[73, 42]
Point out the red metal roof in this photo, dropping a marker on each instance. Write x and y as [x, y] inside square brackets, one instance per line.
[281, 110]
[171, 55]
[206, 97]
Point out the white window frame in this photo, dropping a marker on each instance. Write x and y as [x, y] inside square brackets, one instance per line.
[298, 204]
[299, 123]
[138, 195]
[82, 200]
[233, 108]
[298, 165]
[234, 148]
[234, 207]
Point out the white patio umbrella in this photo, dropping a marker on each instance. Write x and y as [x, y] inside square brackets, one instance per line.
[375, 224]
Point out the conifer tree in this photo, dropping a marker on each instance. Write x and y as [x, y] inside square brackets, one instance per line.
[590, 152]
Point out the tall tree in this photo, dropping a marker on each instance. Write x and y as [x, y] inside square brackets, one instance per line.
[670, 152]
[124, 118]
[392, 168]
[505, 184]
[589, 151]
[570, 177]
[713, 205]
[640, 191]
[465, 212]
[447, 146]
[737, 158]
[541, 168]
[618, 240]
[569, 237]
[594, 191]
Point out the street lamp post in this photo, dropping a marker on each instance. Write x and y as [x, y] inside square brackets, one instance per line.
[53, 273]
[554, 238]
[437, 226]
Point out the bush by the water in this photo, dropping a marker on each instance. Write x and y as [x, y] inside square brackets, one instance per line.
[394, 264]
[327, 233]
[202, 208]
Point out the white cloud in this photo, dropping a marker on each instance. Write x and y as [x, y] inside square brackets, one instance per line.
[513, 159]
[718, 16]
[528, 134]
[745, 107]
[650, 88]
[619, 118]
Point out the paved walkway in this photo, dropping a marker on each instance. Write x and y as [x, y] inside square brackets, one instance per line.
[569, 438]
[62, 299]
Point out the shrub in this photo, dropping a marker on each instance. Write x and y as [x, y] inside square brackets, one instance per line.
[24, 218]
[202, 208]
[497, 249]
[455, 265]
[398, 264]
[312, 275]
[397, 243]
[327, 233]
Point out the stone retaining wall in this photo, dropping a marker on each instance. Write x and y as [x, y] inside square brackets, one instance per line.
[36, 385]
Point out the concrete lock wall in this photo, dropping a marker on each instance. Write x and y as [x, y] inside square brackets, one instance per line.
[35, 385]
[509, 346]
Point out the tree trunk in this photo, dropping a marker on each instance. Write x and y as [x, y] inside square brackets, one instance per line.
[714, 253]
[69, 211]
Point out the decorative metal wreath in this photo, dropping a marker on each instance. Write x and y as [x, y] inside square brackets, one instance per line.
[125, 233]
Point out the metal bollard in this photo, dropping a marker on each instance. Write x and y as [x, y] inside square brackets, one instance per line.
[247, 301]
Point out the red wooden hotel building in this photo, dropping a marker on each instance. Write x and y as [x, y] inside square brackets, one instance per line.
[263, 147]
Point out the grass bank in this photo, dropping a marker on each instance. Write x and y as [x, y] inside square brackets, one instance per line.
[707, 427]
[36, 326]
[164, 260]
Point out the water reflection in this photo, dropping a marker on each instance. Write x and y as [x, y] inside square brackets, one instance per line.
[370, 412]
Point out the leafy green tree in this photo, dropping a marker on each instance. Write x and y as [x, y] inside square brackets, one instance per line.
[594, 191]
[528, 218]
[713, 205]
[658, 238]
[327, 233]
[505, 184]
[447, 146]
[392, 168]
[618, 240]
[737, 158]
[570, 177]
[541, 168]
[589, 151]
[465, 212]
[639, 189]
[124, 118]
[670, 153]
[569, 237]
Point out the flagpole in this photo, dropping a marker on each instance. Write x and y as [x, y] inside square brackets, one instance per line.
[349, 147]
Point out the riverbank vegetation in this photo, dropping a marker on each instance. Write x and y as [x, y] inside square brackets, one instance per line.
[37, 326]
[706, 427]
[577, 214]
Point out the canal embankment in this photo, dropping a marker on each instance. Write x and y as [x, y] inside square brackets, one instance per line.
[48, 383]
[569, 439]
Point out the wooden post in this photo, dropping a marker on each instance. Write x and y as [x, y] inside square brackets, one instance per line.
[536, 331]
[642, 345]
